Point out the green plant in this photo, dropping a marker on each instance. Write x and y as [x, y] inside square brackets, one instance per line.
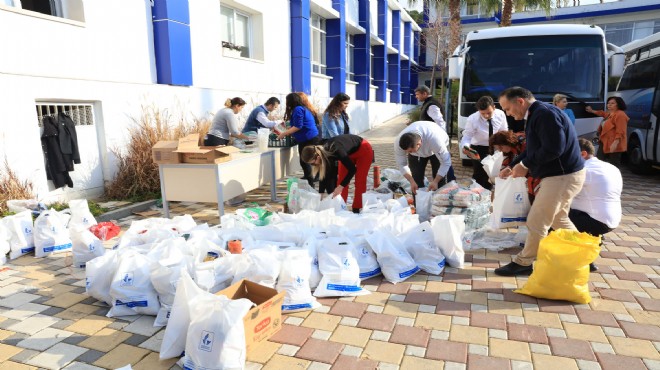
[94, 208]
[11, 187]
[414, 114]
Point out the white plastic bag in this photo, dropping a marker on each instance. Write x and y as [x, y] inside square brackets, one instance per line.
[165, 273]
[98, 275]
[50, 234]
[492, 165]
[420, 243]
[261, 266]
[294, 280]
[395, 262]
[309, 199]
[174, 339]
[311, 245]
[4, 244]
[511, 204]
[372, 197]
[341, 272]
[364, 255]
[216, 335]
[337, 203]
[423, 200]
[85, 245]
[80, 214]
[19, 227]
[447, 232]
[131, 289]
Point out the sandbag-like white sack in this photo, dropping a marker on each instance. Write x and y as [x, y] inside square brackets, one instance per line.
[395, 262]
[261, 266]
[423, 200]
[98, 275]
[80, 214]
[85, 245]
[51, 234]
[340, 269]
[174, 339]
[511, 204]
[420, 243]
[294, 280]
[365, 256]
[216, 335]
[447, 232]
[131, 289]
[20, 229]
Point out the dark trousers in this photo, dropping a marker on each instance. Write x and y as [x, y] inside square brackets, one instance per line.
[585, 223]
[478, 173]
[212, 140]
[418, 168]
[612, 158]
[306, 167]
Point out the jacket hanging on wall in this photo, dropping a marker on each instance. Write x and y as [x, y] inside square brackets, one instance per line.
[59, 143]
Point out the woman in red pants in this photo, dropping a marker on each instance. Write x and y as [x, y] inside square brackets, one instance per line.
[338, 160]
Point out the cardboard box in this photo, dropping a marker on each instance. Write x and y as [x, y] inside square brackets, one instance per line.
[164, 152]
[263, 321]
[193, 153]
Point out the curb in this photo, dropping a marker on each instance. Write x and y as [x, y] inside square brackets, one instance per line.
[126, 211]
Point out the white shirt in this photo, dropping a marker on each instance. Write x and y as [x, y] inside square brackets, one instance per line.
[434, 142]
[600, 196]
[476, 128]
[436, 115]
[261, 118]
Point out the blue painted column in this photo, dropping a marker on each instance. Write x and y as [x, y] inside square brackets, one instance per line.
[362, 53]
[394, 60]
[301, 63]
[380, 53]
[405, 64]
[171, 28]
[336, 49]
[414, 78]
[422, 49]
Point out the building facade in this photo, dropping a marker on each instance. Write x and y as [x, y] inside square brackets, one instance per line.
[108, 62]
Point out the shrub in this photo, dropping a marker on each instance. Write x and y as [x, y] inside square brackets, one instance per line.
[137, 175]
[11, 187]
[414, 114]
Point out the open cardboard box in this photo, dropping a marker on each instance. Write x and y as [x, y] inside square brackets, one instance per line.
[193, 153]
[164, 152]
[263, 321]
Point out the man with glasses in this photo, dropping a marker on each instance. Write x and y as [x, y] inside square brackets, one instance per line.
[480, 126]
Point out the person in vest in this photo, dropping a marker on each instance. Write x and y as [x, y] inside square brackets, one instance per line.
[258, 118]
[430, 111]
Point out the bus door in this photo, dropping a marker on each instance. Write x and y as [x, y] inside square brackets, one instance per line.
[654, 127]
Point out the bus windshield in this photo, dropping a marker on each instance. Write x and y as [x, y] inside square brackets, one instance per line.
[545, 65]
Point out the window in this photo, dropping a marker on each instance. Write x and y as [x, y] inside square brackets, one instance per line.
[371, 69]
[81, 114]
[48, 7]
[350, 57]
[318, 44]
[470, 7]
[625, 32]
[236, 30]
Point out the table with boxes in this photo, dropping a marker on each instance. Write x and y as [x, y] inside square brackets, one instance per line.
[193, 173]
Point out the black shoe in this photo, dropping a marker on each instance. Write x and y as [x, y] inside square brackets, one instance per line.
[513, 269]
[356, 210]
[592, 268]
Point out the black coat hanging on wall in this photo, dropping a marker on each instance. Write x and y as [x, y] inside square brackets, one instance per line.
[59, 143]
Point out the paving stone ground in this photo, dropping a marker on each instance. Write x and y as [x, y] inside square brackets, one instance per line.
[467, 318]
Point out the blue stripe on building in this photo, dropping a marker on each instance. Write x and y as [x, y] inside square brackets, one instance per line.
[301, 66]
[171, 28]
[336, 49]
[394, 60]
[362, 52]
[405, 64]
[380, 53]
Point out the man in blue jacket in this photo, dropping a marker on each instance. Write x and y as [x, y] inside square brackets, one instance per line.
[553, 155]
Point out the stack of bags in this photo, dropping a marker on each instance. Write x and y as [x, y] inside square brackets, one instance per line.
[472, 201]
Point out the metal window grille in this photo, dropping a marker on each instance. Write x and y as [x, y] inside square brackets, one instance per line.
[81, 114]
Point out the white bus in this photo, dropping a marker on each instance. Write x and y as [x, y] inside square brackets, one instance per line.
[639, 88]
[545, 59]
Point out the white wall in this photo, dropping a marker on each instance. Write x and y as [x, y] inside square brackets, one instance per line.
[109, 61]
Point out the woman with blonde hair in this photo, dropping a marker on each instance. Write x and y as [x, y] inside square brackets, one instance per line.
[561, 102]
[354, 156]
[225, 124]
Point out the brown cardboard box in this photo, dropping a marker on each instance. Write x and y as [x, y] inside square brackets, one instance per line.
[193, 153]
[163, 152]
[263, 321]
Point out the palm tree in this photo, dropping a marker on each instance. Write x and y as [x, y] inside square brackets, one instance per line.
[454, 7]
[507, 8]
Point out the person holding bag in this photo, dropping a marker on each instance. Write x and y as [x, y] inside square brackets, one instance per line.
[612, 132]
[303, 128]
[354, 155]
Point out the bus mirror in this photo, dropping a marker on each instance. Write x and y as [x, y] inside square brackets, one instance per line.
[455, 64]
[616, 64]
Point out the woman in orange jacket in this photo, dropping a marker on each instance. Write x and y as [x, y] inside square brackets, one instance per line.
[612, 132]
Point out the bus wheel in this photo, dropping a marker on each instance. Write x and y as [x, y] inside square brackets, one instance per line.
[636, 158]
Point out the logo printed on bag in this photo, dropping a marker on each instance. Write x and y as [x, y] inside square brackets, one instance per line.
[91, 247]
[346, 263]
[27, 231]
[518, 197]
[316, 261]
[364, 251]
[206, 342]
[299, 281]
[127, 280]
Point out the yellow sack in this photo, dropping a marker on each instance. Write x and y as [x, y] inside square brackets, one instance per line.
[561, 270]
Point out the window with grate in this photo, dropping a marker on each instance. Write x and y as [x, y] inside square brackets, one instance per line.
[81, 114]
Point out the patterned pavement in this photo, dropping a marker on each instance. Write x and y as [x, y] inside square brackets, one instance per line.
[467, 318]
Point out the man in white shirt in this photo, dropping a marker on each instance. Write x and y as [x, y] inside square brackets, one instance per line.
[596, 209]
[480, 126]
[414, 148]
[258, 118]
[430, 110]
